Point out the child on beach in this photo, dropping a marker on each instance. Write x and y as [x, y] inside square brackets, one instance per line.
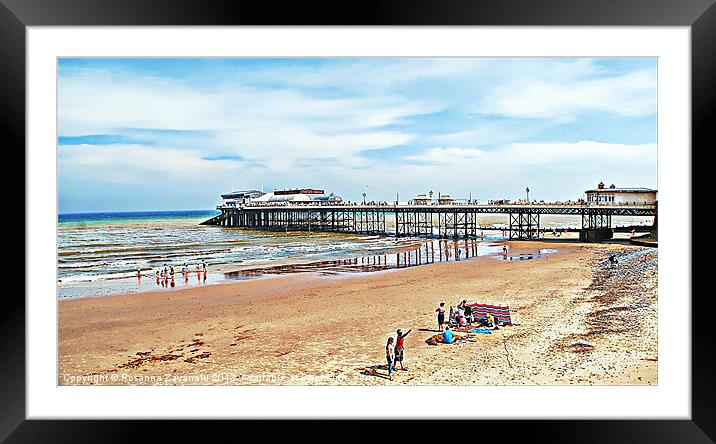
[399, 347]
[441, 315]
[447, 336]
[390, 356]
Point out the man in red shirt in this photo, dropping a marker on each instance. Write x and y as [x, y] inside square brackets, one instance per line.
[399, 348]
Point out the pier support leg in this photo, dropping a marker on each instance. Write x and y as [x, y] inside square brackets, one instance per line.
[596, 227]
[524, 226]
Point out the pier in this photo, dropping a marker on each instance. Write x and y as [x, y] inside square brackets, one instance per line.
[442, 221]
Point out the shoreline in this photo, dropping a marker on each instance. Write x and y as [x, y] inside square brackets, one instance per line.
[224, 280]
[302, 330]
[221, 275]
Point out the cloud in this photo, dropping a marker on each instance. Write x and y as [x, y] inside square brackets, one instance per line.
[387, 125]
[538, 154]
[626, 95]
[274, 126]
[121, 163]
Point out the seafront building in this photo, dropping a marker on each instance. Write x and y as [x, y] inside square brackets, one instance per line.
[614, 195]
[238, 199]
[423, 199]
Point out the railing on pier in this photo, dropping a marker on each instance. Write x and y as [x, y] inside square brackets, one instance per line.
[453, 220]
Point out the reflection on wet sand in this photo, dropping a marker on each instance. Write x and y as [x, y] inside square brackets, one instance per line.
[437, 250]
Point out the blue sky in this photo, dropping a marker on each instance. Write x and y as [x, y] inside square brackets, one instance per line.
[162, 134]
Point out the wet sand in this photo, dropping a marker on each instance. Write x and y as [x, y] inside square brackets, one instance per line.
[580, 322]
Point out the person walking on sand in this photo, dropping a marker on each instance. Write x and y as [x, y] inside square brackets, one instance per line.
[390, 356]
[441, 315]
[504, 251]
[399, 348]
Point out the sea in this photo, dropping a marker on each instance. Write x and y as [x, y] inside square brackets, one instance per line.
[108, 253]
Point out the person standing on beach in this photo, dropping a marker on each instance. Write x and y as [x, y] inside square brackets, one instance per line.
[198, 273]
[504, 251]
[157, 277]
[390, 357]
[399, 347]
[441, 315]
[468, 313]
[139, 275]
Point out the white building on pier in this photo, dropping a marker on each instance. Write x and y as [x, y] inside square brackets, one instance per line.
[614, 195]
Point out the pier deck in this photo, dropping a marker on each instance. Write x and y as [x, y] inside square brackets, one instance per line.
[455, 221]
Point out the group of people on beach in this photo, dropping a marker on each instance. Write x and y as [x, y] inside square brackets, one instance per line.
[394, 351]
[463, 317]
[165, 276]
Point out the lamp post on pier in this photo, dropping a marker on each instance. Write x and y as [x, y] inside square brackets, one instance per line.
[528, 194]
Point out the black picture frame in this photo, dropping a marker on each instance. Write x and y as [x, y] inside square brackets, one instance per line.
[16, 15]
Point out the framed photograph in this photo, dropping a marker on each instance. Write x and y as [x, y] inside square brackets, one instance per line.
[414, 211]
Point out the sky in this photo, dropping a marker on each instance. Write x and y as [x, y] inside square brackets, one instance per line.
[174, 133]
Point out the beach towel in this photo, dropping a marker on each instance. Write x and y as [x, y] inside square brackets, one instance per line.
[500, 313]
[481, 331]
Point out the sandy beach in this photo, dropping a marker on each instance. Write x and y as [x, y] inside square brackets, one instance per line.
[579, 322]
